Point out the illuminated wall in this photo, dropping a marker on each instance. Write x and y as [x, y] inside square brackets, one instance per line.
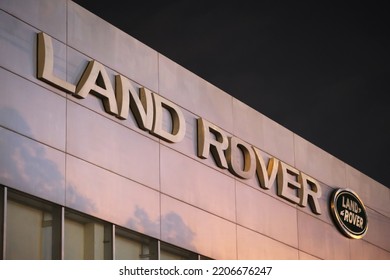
[65, 149]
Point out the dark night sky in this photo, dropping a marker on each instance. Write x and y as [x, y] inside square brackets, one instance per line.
[319, 69]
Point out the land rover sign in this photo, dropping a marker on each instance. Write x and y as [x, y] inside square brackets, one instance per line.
[349, 213]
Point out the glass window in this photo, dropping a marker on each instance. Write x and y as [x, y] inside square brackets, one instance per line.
[28, 232]
[128, 249]
[36, 229]
[131, 246]
[167, 255]
[83, 238]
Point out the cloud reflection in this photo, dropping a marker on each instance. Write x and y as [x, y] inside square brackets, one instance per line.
[173, 227]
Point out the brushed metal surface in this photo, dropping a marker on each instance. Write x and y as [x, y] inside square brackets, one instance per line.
[196, 230]
[278, 141]
[362, 250]
[53, 22]
[45, 64]
[139, 99]
[32, 110]
[378, 232]
[373, 194]
[165, 112]
[321, 239]
[108, 144]
[76, 65]
[112, 47]
[254, 246]
[195, 94]
[266, 215]
[189, 144]
[262, 132]
[305, 256]
[241, 158]
[264, 180]
[197, 184]
[95, 80]
[18, 44]
[318, 164]
[32, 167]
[212, 142]
[103, 194]
[324, 203]
[288, 185]
[115, 169]
[248, 124]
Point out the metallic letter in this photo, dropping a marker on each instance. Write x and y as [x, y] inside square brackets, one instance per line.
[311, 191]
[265, 176]
[285, 182]
[233, 154]
[141, 105]
[45, 64]
[95, 80]
[216, 144]
[178, 122]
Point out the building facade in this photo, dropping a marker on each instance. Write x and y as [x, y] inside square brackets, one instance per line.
[110, 150]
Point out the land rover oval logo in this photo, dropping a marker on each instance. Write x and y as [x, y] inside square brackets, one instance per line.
[349, 213]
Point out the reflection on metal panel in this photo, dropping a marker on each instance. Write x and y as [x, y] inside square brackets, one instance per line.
[53, 22]
[269, 216]
[196, 230]
[127, 55]
[197, 184]
[110, 145]
[32, 110]
[111, 197]
[194, 94]
[32, 167]
[321, 239]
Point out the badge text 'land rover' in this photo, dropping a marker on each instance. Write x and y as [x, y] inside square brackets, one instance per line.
[349, 213]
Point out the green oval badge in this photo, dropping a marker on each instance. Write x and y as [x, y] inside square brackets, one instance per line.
[349, 213]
